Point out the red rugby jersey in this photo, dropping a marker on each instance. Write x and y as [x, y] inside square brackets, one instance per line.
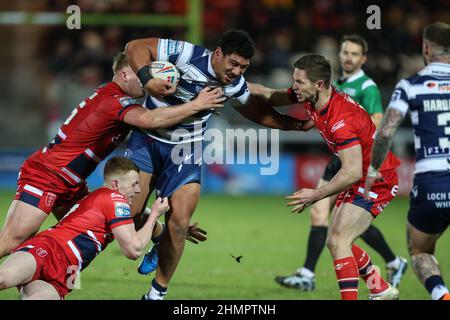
[343, 123]
[86, 229]
[93, 130]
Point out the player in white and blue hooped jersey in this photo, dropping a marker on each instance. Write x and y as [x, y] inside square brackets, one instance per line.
[427, 97]
[151, 150]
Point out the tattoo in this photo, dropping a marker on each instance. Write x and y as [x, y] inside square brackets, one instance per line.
[383, 140]
[425, 265]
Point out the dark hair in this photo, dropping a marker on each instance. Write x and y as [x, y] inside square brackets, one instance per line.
[316, 67]
[237, 41]
[120, 60]
[439, 34]
[119, 166]
[356, 38]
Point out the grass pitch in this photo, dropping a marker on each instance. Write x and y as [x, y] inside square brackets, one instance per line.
[272, 242]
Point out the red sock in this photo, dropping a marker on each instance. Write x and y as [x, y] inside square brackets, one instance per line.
[375, 283]
[347, 277]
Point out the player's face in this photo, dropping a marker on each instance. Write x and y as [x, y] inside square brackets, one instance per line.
[133, 86]
[228, 67]
[305, 89]
[129, 185]
[351, 57]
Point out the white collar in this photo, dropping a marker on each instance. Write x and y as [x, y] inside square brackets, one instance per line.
[356, 76]
[210, 68]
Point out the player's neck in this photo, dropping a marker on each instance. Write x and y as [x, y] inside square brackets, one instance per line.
[347, 75]
[323, 99]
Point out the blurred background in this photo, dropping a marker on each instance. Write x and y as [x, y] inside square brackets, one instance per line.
[48, 69]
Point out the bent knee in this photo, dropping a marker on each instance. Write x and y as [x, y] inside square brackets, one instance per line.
[5, 282]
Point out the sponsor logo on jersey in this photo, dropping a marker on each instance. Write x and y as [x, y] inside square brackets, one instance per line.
[116, 195]
[337, 125]
[174, 47]
[122, 209]
[127, 101]
[41, 252]
[50, 199]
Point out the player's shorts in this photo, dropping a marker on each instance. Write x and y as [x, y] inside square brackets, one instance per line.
[45, 189]
[52, 265]
[381, 194]
[173, 165]
[333, 166]
[429, 202]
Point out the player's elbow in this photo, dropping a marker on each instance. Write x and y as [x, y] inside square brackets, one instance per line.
[132, 254]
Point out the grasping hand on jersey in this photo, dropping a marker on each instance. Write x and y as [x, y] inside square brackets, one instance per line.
[209, 98]
[160, 206]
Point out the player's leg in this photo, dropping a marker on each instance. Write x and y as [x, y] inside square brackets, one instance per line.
[304, 278]
[395, 265]
[348, 223]
[183, 203]
[18, 269]
[39, 290]
[22, 221]
[427, 220]
[421, 247]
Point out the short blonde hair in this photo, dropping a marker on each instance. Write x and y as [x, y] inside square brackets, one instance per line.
[119, 166]
[120, 60]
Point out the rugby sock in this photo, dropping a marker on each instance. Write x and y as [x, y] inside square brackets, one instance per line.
[436, 287]
[374, 238]
[375, 283]
[316, 243]
[156, 292]
[347, 276]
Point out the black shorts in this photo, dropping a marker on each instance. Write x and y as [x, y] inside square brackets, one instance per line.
[332, 168]
[429, 202]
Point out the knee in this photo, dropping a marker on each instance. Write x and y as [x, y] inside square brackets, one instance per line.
[8, 243]
[336, 242]
[179, 224]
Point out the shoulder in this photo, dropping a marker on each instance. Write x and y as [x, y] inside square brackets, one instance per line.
[368, 82]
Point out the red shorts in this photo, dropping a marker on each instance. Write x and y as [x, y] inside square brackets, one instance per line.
[381, 194]
[45, 189]
[52, 264]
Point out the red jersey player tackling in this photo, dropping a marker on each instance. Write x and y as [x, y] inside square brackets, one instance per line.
[46, 265]
[349, 132]
[53, 179]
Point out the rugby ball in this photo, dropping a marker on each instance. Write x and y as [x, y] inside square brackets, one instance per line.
[165, 70]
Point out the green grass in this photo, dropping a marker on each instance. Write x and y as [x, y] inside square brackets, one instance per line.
[271, 240]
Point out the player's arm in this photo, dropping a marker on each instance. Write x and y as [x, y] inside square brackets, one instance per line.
[259, 111]
[132, 242]
[274, 97]
[140, 53]
[350, 173]
[169, 116]
[383, 140]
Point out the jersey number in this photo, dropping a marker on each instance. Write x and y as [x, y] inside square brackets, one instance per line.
[75, 111]
[442, 120]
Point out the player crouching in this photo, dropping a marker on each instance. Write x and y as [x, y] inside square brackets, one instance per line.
[46, 265]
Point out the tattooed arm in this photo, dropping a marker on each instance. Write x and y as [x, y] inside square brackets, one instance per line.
[383, 140]
[385, 133]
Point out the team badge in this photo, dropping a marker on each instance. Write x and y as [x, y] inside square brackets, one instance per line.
[127, 101]
[41, 252]
[122, 209]
[50, 199]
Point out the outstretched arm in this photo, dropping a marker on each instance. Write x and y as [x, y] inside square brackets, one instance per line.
[260, 108]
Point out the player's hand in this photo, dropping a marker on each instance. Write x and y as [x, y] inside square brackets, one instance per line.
[159, 88]
[160, 206]
[370, 180]
[302, 199]
[195, 234]
[209, 98]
